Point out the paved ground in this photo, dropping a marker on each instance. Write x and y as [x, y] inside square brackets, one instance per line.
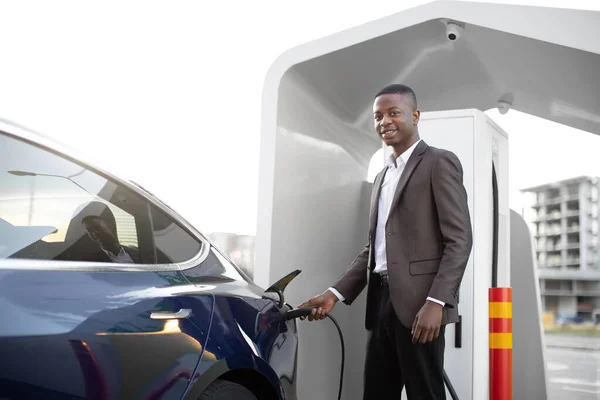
[572, 341]
[573, 374]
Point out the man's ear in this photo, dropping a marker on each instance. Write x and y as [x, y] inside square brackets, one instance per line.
[416, 115]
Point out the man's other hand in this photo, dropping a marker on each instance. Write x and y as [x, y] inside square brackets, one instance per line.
[427, 323]
[323, 304]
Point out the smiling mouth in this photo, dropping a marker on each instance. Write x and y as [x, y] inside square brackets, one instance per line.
[388, 133]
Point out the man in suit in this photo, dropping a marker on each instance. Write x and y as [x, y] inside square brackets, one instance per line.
[103, 231]
[92, 236]
[420, 240]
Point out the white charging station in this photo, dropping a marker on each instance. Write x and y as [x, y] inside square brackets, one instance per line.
[317, 141]
[313, 217]
[478, 142]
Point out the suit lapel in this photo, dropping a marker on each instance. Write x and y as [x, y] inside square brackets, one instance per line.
[375, 199]
[412, 163]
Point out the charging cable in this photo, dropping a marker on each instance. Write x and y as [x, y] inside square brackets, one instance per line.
[303, 312]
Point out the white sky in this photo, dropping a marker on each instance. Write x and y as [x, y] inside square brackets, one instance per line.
[169, 93]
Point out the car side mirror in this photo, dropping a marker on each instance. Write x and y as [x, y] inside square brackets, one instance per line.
[279, 286]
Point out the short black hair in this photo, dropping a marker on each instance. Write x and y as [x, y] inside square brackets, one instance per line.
[398, 88]
[111, 223]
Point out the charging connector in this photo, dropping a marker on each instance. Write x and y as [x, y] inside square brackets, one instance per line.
[303, 312]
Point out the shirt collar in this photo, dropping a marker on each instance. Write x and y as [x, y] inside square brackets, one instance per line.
[110, 254]
[404, 156]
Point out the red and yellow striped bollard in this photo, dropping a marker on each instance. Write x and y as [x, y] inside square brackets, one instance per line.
[500, 302]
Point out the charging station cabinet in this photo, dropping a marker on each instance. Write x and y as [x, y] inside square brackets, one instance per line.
[479, 144]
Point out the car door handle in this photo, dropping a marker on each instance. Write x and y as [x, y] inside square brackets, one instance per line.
[183, 313]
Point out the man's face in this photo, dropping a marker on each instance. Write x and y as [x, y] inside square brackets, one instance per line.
[101, 233]
[395, 118]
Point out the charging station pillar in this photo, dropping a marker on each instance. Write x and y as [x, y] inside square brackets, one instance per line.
[501, 344]
[482, 148]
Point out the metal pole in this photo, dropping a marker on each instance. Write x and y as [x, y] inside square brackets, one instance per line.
[500, 321]
[32, 194]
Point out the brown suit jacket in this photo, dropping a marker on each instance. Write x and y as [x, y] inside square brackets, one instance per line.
[428, 238]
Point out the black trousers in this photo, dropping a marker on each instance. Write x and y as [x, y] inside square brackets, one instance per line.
[394, 362]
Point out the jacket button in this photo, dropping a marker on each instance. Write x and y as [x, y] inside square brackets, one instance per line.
[390, 233]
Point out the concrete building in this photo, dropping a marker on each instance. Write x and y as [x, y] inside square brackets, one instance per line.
[564, 220]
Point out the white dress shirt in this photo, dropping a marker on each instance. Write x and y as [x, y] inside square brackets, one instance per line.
[395, 167]
[122, 257]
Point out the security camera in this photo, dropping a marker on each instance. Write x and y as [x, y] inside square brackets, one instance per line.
[503, 106]
[453, 31]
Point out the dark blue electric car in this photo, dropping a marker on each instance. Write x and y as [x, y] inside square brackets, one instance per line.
[106, 293]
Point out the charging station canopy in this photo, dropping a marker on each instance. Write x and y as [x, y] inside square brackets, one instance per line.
[541, 61]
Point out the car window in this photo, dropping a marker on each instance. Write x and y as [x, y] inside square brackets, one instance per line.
[52, 208]
[173, 244]
[215, 266]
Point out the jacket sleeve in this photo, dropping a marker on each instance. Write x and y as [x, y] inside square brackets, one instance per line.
[355, 279]
[450, 199]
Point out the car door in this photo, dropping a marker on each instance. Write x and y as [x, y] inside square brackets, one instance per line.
[92, 300]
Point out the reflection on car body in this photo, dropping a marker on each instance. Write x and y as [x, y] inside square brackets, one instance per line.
[106, 293]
